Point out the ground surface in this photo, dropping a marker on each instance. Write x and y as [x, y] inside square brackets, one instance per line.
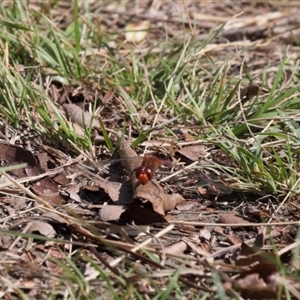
[208, 92]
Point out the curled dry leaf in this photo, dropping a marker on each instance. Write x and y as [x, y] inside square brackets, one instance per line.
[42, 228]
[160, 201]
[119, 193]
[83, 119]
[232, 219]
[78, 116]
[176, 248]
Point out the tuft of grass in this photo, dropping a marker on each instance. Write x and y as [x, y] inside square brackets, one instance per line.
[176, 84]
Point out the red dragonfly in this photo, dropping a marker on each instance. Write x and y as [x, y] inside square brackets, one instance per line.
[149, 165]
[145, 172]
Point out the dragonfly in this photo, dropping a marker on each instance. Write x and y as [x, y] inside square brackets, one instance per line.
[147, 168]
[145, 172]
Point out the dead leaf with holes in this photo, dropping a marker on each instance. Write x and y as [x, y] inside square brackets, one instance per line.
[45, 187]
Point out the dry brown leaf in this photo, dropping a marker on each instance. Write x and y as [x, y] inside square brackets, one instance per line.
[107, 97]
[73, 191]
[111, 212]
[45, 187]
[78, 116]
[206, 234]
[141, 214]
[202, 250]
[233, 239]
[176, 248]
[253, 255]
[48, 190]
[61, 178]
[194, 152]
[219, 230]
[42, 228]
[259, 282]
[187, 205]
[11, 154]
[53, 218]
[232, 219]
[43, 158]
[120, 193]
